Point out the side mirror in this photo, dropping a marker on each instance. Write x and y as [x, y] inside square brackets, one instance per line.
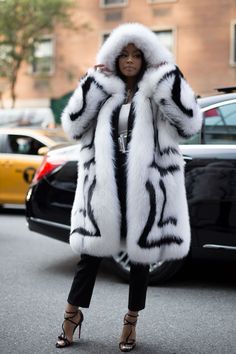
[43, 150]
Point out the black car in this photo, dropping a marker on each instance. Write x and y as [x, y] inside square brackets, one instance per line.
[210, 174]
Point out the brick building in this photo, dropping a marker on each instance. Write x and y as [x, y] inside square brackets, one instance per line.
[200, 33]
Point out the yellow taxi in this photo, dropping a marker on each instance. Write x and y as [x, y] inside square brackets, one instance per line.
[21, 152]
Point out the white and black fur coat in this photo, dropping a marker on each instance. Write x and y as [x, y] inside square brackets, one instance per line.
[163, 110]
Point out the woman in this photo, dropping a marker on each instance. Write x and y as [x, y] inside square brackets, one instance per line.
[128, 113]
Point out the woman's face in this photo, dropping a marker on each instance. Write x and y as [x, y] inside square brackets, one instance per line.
[130, 61]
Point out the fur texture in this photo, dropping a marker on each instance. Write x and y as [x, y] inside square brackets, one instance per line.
[164, 109]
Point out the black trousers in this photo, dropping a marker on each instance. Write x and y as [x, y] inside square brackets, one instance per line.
[84, 280]
[83, 284]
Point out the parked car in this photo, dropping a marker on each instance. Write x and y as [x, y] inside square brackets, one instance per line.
[210, 172]
[21, 153]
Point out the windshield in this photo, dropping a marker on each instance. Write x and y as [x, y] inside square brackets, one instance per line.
[57, 136]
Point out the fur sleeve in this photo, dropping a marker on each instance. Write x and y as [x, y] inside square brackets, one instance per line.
[85, 103]
[82, 108]
[175, 99]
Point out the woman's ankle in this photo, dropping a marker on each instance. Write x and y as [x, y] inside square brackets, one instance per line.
[132, 313]
[71, 308]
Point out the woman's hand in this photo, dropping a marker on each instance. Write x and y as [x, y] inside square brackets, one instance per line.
[103, 69]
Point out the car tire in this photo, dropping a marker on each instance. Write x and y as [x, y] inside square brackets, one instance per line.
[159, 272]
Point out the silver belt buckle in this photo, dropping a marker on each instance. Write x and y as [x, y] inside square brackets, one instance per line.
[122, 141]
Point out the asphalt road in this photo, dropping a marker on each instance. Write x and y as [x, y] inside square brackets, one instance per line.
[194, 313]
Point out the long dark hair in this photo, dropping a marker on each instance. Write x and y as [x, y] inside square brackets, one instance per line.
[141, 72]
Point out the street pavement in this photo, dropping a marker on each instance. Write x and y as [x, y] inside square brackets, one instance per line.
[193, 314]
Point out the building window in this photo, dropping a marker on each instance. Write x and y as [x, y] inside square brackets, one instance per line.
[166, 37]
[113, 3]
[159, 1]
[115, 15]
[233, 44]
[43, 55]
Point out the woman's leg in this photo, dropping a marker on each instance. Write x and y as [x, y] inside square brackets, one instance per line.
[139, 277]
[80, 294]
[82, 286]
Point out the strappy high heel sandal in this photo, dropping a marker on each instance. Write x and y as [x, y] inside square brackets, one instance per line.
[128, 344]
[62, 337]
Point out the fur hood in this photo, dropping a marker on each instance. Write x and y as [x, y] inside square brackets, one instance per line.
[143, 38]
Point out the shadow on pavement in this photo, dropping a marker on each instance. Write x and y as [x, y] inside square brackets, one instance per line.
[205, 273]
[12, 210]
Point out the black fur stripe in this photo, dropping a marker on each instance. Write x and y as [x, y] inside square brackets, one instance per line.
[115, 122]
[85, 179]
[83, 211]
[166, 76]
[163, 188]
[88, 163]
[77, 136]
[170, 220]
[165, 240]
[165, 170]
[89, 208]
[176, 95]
[142, 242]
[169, 150]
[85, 87]
[83, 232]
[131, 120]
[176, 90]
[89, 145]
[155, 129]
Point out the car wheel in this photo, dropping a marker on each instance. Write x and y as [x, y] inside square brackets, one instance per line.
[160, 272]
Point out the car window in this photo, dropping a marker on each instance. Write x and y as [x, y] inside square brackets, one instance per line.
[20, 144]
[220, 125]
[195, 139]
